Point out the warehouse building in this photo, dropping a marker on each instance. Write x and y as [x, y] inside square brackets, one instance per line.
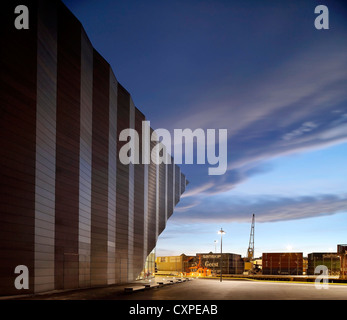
[71, 212]
[282, 263]
[173, 265]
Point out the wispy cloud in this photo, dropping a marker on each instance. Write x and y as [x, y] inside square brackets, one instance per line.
[304, 128]
[268, 208]
[197, 190]
[184, 208]
[298, 107]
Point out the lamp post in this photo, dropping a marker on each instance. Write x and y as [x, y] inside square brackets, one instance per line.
[221, 232]
[214, 256]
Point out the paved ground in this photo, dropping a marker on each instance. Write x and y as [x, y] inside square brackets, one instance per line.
[202, 289]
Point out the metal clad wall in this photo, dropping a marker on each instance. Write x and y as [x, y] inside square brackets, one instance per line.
[170, 188]
[99, 200]
[183, 183]
[67, 150]
[145, 225]
[122, 199]
[152, 208]
[139, 209]
[157, 184]
[45, 146]
[174, 183]
[131, 202]
[85, 179]
[18, 63]
[112, 178]
[70, 210]
[177, 184]
[162, 193]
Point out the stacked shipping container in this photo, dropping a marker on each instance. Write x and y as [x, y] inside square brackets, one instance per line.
[231, 263]
[282, 263]
[328, 259]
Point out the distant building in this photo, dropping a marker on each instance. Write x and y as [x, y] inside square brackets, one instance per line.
[173, 264]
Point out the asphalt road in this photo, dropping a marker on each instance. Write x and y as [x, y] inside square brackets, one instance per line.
[242, 290]
[201, 289]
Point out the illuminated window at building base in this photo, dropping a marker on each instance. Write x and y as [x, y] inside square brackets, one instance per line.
[149, 270]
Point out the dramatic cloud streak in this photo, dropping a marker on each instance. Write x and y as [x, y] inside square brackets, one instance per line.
[300, 106]
[268, 208]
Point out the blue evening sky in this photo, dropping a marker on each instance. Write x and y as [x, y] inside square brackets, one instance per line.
[261, 70]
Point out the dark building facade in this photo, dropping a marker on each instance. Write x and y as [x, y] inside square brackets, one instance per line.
[70, 210]
[282, 263]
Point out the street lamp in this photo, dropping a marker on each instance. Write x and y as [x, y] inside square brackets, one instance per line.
[221, 232]
[214, 256]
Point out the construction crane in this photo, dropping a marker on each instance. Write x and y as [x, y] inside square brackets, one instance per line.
[250, 250]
